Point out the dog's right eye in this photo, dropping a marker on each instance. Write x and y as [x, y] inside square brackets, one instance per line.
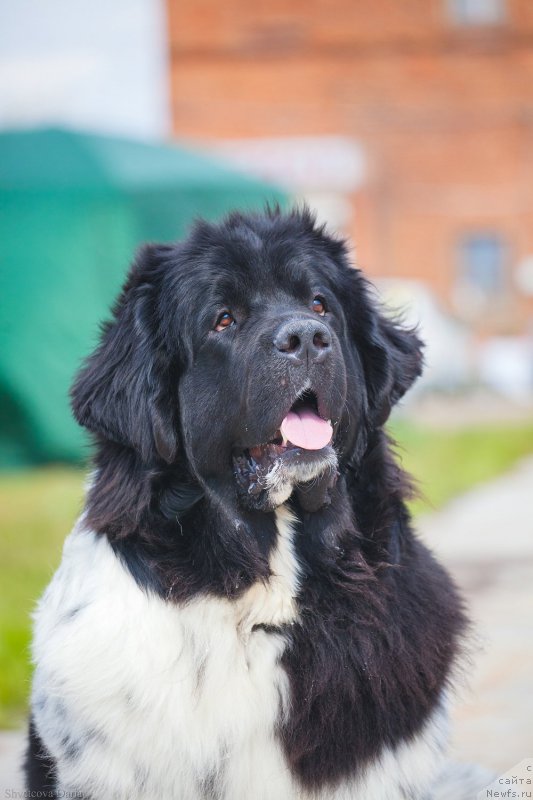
[224, 321]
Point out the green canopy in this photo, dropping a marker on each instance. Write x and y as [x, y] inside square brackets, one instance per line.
[73, 209]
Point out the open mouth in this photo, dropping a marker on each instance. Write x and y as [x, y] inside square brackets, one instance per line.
[302, 438]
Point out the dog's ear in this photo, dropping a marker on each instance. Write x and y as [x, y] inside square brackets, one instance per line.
[125, 391]
[391, 353]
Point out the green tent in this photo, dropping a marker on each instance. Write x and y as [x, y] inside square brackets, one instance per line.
[73, 209]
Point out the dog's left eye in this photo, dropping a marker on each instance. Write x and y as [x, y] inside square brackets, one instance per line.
[224, 321]
[319, 305]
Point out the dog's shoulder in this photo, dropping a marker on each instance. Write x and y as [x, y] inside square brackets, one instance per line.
[121, 670]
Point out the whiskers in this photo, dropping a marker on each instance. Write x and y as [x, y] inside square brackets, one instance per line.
[328, 472]
[283, 478]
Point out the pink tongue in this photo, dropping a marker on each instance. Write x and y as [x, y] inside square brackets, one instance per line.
[306, 429]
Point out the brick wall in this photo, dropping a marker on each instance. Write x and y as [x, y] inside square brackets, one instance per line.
[443, 111]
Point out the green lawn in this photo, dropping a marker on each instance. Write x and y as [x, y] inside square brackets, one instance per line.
[448, 462]
[38, 507]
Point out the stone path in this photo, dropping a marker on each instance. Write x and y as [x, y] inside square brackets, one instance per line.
[11, 754]
[486, 540]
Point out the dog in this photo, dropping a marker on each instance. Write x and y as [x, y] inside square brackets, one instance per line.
[243, 611]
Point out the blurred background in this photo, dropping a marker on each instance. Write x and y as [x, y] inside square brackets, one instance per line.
[408, 126]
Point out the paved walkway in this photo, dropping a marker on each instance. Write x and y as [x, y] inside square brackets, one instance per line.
[11, 754]
[486, 540]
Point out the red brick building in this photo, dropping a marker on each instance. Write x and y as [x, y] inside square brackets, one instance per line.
[437, 93]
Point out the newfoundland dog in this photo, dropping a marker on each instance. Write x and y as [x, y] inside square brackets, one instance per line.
[242, 611]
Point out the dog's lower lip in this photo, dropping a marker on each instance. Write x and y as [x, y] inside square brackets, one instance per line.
[252, 463]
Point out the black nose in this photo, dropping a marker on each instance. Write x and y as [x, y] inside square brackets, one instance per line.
[303, 340]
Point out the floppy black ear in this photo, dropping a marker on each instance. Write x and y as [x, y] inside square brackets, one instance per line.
[391, 354]
[125, 391]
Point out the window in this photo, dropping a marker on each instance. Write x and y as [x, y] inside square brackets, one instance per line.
[482, 260]
[477, 12]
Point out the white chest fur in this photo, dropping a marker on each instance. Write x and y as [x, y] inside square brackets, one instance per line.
[137, 698]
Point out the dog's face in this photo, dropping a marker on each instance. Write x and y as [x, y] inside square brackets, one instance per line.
[253, 353]
[265, 389]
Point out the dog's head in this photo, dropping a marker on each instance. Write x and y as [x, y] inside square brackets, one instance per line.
[253, 354]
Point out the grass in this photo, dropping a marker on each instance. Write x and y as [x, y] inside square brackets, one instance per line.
[38, 507]
[447, 463]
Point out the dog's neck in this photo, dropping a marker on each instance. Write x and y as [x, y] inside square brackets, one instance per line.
[158, 512]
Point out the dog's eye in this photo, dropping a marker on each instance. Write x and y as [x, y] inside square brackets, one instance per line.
[319, 305]
[224, 321]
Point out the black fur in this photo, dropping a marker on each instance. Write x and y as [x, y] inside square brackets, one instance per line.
[169, 400]
[39, 766]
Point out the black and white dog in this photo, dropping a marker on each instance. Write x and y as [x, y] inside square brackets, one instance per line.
[242, 611]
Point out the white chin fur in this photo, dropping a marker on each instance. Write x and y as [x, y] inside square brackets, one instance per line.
[282, 478]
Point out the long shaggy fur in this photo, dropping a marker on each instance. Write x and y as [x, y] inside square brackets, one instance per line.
[286, 648]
